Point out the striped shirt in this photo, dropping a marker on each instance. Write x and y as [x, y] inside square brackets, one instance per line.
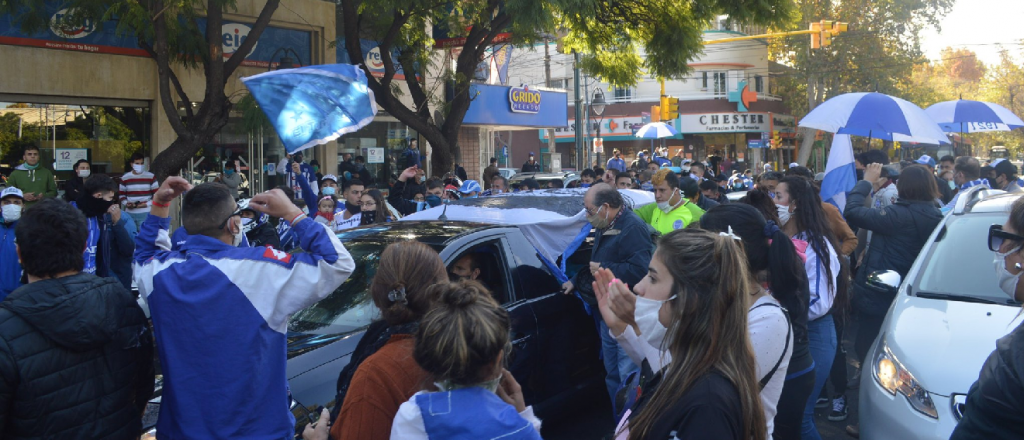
[138, 188]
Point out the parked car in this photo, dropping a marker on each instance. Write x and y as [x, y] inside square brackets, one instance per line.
[556, 346]
[565, 178]
[944, 322]
[507, 172]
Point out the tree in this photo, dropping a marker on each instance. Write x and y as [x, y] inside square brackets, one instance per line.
[169, 32]
[877, 54]
[609, 34]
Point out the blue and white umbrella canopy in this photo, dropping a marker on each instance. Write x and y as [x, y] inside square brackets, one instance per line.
[656, 130]
[875, 115]
[966, 116]
[313, 105]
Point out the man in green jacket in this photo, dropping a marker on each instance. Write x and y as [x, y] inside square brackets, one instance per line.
[34, 180]
[673, 211]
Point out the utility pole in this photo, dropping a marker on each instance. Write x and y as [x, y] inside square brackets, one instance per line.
[579, 111]
[547, 83]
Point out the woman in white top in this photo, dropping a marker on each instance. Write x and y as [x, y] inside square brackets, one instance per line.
[802, 217]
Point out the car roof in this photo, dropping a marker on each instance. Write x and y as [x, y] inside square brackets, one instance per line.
[989, 202]
[433, 233]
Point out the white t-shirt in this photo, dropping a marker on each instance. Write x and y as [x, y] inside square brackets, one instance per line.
[340, 224]
[768, 327]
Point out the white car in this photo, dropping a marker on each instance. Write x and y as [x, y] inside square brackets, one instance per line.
[942, 326]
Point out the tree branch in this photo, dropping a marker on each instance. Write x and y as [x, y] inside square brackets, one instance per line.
[254, 34]
[419, 96]
[163, 70]
[174, 80]
[385, 47]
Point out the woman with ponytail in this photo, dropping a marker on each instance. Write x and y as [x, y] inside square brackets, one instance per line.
[802, 217]
[382, 373]
[774, 263]
[463, 344]
[692, 306]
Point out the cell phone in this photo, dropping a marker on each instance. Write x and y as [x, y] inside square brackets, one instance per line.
[891, 171]
[315, 415]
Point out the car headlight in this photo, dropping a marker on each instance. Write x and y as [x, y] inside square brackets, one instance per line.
[895, 378]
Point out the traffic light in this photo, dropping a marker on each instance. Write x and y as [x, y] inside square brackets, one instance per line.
[776, 140]
[826, 33]
[839, 27]
[655, 113]
[815, 35]
[669, 108]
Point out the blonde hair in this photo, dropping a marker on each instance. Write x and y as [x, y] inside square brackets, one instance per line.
[659, 177]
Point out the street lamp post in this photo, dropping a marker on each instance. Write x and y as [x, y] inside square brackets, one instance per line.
[598, 105]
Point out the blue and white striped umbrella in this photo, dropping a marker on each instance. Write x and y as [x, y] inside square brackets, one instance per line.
[656, 130]
[875, 115]
[966, 116]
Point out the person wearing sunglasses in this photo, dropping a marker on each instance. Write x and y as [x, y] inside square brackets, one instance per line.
[995, 405]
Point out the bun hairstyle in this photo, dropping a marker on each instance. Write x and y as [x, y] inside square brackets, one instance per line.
[708, 332]
[462, 335]
[400, 288]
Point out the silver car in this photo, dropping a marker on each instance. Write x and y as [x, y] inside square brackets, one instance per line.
[942, 325]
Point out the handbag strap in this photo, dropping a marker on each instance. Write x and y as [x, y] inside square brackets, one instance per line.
[789, 328]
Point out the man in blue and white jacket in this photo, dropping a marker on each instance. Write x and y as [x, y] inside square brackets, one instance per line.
[220, 313]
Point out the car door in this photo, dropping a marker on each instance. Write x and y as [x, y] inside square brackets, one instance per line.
[567, 342]
[497, 277]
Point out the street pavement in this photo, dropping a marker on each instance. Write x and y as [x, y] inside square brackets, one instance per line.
[594, 422]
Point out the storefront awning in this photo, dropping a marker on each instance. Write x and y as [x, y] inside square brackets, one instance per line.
[516, 108]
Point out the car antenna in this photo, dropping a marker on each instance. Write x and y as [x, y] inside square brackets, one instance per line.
[444, 217]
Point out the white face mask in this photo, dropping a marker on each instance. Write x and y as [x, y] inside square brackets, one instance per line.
[11, 213]
[239, 236]
[646, 317]
[784, 214]
[137, 168]
[1007, 281]
[665, 207]
[84, 173]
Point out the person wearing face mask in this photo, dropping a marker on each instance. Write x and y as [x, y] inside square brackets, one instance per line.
[304, 172]
[32, 178]
[470, 189]
[208, 360]
[669, 213]
[315, 164]
[966, 174]
[402, 203]
[689, 329]
[622, 243]
[257, 228]
[481, 397]
[230, 178]
[111, 242]
[349, 213]
[361, 172]
[374, 209]
[73, 187]
[12, 202]
[691, 190]
[137, 189]
[995, 407]
[899, 231]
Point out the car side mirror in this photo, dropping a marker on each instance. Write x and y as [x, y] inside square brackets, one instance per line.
[885, 280]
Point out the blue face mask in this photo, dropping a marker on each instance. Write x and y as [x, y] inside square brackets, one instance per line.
[229, 172]
[329, 190]
[771, 194]
[470, 197]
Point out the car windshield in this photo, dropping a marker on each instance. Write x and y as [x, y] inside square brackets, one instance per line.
[349, 307]
[960, 263]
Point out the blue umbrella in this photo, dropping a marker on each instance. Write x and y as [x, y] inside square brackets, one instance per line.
[313, 105]
[656, 130]
[875, 115]
[966, 116]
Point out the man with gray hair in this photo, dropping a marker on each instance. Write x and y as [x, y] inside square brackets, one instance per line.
[622, 244]
[966, 174]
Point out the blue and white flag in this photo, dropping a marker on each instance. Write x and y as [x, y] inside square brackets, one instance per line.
[313, 105]
[840, 173]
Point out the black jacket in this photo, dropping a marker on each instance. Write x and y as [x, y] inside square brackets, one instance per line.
[995, 403]
[531, 167]
[945, 192]
[76, 361]
[705, 203]
[900, 231]
[625, 248]
[73, 189]
[264, 235]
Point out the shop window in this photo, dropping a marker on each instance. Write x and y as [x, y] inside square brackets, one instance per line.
[704, 81]
[758, 84]
[623, 94]
[485, 262]
[720, 83]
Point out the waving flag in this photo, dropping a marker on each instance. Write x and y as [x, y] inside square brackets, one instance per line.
[313, 105]
[840, 173]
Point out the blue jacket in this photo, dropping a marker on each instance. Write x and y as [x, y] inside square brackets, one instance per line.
[108, 252]
[616, 164]
[10, 268]
[625, 248]
[220, 315]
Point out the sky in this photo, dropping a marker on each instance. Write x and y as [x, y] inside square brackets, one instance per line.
[977, 25]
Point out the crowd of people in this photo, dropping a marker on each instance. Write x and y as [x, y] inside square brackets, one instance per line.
[718, 319]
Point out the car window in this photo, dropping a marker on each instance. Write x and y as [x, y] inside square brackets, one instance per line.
[486, 263]
[349, 307]
[960, 263]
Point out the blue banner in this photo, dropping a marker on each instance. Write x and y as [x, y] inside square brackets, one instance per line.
[313, 105]
[493, 105]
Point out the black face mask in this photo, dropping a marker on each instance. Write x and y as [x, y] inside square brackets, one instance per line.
[353, 208]
[93, 207]
[368, 218]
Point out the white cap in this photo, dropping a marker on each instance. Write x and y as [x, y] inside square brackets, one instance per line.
[794, 165]
[330, 177]
[12, 191]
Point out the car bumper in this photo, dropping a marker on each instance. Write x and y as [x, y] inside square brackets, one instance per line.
[885, 416]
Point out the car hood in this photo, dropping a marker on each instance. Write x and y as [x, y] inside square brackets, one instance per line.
[944, 343]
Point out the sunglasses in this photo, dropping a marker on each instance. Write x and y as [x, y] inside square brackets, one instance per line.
[997, 236]
[238, 211]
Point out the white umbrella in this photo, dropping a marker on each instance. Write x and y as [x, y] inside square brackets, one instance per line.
[656, 130]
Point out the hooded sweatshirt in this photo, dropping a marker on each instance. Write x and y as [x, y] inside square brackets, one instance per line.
[38, 181]
[76, 360]
[10, 268]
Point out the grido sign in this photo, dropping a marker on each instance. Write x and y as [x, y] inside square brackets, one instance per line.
[523, 100]
[725, 123]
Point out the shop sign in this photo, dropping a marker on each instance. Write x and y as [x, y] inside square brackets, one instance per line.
[523, 100]
[755, 143]
[724, 123]
[375, 155]
[614, 126]
[66, 158]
